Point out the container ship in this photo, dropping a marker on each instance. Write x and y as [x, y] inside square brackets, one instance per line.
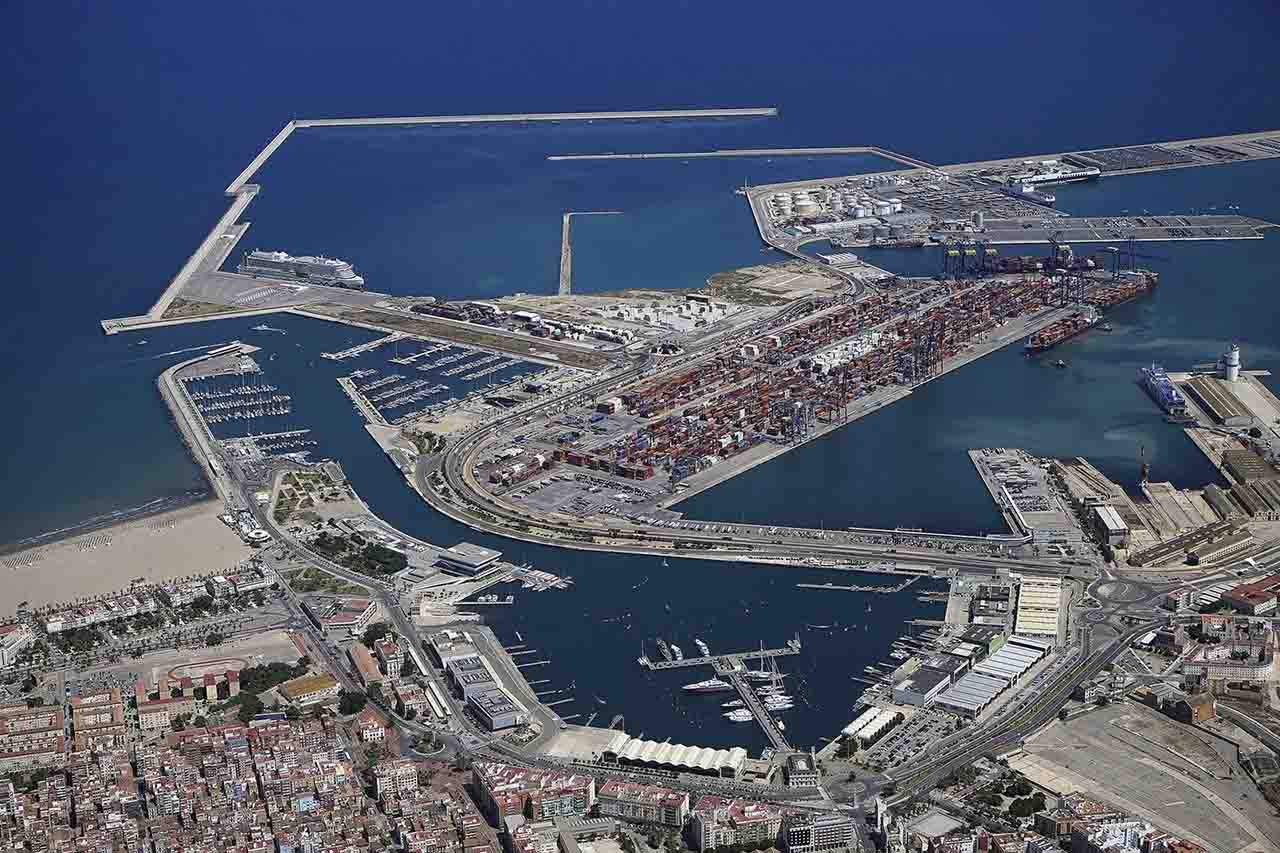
[1060, 330]
[1130, 286]
[1163, 391]
[312, 269]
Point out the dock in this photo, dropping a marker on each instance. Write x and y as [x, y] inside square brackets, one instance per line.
[733, 660]
[886, 590]
[361, 349]
[566, 245]
[753, 704]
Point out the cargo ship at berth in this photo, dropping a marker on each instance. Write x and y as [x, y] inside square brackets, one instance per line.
[313, 269]
[1163, 391]
[1060, 330]
[1127, 286]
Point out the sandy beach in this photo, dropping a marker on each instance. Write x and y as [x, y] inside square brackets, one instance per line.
[172, 544]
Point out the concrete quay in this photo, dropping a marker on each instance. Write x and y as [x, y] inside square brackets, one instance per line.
[754, 152]
[566, 245]
[496, 118]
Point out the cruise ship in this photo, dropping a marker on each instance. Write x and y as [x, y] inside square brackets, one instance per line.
[330, 272]
[1163, 391]
[1055, 175]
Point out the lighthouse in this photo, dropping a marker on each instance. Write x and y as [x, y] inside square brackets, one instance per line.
[1230, 363]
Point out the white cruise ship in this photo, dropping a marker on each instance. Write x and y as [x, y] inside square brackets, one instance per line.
[311, 269]
[1055, 175]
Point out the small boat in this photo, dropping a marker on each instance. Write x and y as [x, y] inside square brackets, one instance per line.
[702, 647]
[732, 703]
[1060, 364]
[741, 715]
[1107, 327]
[677, 651]
[782, 727]
[600, 700]
[664, 562]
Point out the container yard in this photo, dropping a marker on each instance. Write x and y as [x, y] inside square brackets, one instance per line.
[651, 444]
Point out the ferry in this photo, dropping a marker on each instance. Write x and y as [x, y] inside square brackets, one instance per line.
[711, 685]
[1054, 175]
[1163, 391]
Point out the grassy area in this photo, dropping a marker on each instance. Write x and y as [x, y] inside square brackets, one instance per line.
[194, 308]
[311, 579]
[359, 555]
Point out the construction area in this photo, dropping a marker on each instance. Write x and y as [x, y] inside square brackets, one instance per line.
[1178, 777]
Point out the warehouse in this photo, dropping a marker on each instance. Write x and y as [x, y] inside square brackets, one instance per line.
[970, 696]
[1110, 526]
[861, 722]
[1010, 662]
[1038, 601]
[876, 729]
[953, 665]
[920, 687]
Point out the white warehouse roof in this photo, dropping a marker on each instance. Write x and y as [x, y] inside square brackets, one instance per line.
[678, 755]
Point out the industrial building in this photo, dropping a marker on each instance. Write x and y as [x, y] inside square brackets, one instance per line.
[1039, 599]
[1110, 527]
[971, 695]
[1246, 466]
[921, 687]
[1216, 398]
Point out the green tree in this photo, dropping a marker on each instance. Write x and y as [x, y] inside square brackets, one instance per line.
[292, 713]
[374, 633]
[201, 722]
[214, 639]
[350, 702]
[250, 706]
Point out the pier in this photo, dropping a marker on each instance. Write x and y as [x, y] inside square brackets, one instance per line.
[733, 660]
[566, 244]
[360, 349]
[757, 709]
[887, 590]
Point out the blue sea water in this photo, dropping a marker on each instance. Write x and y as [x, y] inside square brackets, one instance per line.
[128, 126]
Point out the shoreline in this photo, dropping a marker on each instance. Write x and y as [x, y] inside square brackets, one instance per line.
[117, 518]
